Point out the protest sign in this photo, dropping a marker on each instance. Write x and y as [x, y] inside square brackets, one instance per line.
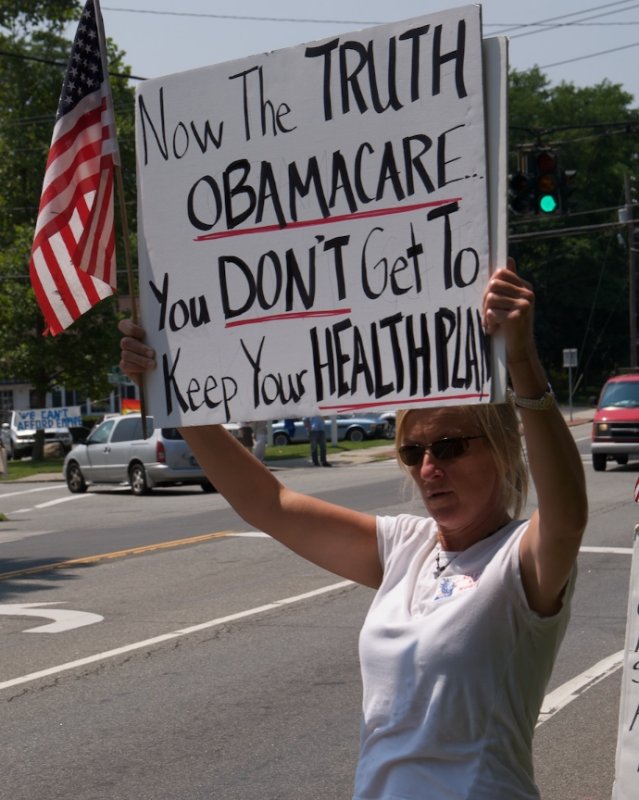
[36, 419]
[313, 227]
[626, 785]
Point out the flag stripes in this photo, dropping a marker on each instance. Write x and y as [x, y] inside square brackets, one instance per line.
[72, 263]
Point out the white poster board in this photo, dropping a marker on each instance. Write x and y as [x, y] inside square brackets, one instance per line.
[313, 226]
[626, 785]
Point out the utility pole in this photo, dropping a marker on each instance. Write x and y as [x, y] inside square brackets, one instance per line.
[632, 272]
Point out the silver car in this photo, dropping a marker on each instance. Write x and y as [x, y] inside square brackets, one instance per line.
[351, 427]
[116, 452]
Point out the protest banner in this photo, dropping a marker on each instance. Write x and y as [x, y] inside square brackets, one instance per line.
[626, 785]
[35, 419]
[314, 226]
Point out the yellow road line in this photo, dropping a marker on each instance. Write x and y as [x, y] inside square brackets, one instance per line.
[132, 551]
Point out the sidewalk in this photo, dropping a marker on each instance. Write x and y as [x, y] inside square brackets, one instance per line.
[580, 416]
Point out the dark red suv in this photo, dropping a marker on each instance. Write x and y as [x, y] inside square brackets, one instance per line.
[615, 426]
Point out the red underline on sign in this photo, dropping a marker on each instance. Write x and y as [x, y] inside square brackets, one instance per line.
[331, 312]
[403, 403]
[380, 212]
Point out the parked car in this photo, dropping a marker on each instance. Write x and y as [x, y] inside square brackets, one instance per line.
[615, 426]
[115, 452]
[388, 417]
[349, 427]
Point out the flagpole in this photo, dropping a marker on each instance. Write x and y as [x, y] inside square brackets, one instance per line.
[117, 169]
[129, 272]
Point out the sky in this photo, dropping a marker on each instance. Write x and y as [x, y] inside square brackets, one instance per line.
[568, 39]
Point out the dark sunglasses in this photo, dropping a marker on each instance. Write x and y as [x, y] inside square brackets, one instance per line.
[442, 449]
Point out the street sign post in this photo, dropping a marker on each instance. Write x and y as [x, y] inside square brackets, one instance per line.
[570, 361]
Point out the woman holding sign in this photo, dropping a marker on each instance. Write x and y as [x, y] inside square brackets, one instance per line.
[472, 603]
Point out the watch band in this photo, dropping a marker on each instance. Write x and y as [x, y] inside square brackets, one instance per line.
[543, 403]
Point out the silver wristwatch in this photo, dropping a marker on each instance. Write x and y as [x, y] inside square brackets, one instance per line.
[543, 403]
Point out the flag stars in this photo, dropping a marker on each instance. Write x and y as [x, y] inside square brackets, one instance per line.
[85, 73]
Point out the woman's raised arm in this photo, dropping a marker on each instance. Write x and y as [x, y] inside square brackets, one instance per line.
[333, 537]
[551, 543]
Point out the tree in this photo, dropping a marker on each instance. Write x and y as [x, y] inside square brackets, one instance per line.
[581, 280]
[33, 56]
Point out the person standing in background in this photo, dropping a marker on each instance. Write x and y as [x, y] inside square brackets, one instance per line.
[245, 435]
[316, 428]
[260, 431]
[3, 459]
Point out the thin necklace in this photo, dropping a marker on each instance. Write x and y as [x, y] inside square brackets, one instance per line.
[443, 560]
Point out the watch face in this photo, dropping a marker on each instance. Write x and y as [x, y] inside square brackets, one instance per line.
[546, 401]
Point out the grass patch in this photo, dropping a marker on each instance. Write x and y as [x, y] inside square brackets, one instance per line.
[25, 467]
[303, 450]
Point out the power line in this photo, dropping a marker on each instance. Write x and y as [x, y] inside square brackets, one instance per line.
[565, 24]
[558, 232]
[542, 26]
[243, 17]
[565, 16]
[61, 64]
[311, 20]
[590, 55]
[548, 27]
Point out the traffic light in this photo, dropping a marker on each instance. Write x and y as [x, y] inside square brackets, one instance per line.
[520, 193]
[546, 179]
[568, 184]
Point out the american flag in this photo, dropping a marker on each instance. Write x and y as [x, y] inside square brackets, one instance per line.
[72, 263]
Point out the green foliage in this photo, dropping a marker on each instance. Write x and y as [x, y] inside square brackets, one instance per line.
[82, 356]
[19, 16]
[581, 279]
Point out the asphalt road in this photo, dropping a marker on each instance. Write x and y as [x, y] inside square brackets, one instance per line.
[222, 666]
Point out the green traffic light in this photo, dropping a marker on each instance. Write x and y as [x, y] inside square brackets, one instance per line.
[547, 203]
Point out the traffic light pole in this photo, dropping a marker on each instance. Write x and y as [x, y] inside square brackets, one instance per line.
[632, 273]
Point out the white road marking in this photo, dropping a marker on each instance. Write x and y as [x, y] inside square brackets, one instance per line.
[11, 536]
[64, 500]
[574, 688]
[129, 648]
[554, 702]
[50, 503]
[31, 491]
[64, 619]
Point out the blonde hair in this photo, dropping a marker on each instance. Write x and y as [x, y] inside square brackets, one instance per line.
[499, 423]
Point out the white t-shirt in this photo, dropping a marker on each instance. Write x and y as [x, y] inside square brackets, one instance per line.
[454, 670]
